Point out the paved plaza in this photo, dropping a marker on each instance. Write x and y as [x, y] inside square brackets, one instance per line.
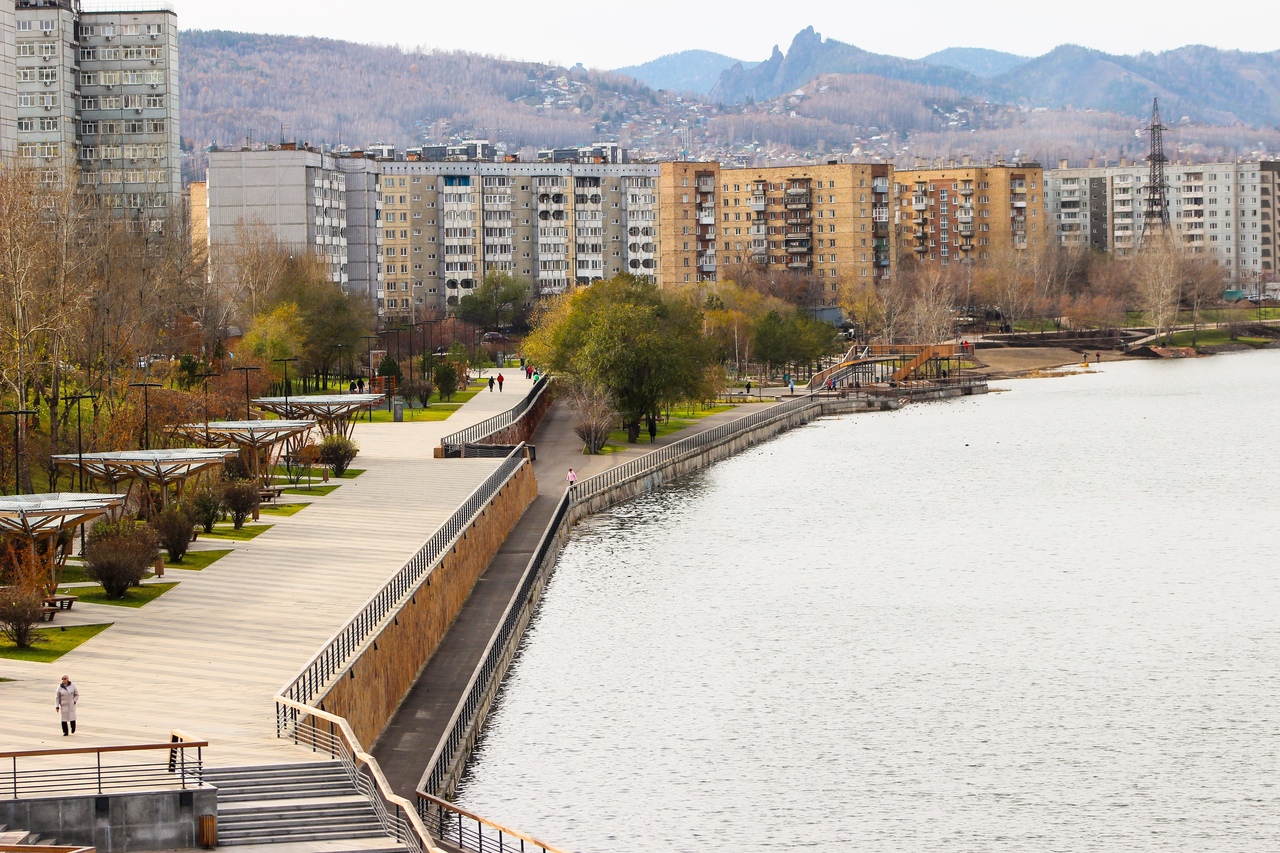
[208, 656]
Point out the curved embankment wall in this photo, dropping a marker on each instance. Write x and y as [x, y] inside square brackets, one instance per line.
[377, 679]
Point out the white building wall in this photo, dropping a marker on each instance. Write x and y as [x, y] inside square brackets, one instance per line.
[8, 85]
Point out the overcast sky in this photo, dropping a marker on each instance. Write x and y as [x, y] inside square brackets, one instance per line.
[599, 35]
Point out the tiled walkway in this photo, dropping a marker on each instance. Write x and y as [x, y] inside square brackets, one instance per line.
[208, 656]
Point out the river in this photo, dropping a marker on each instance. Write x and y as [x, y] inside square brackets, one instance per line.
[1039, 620]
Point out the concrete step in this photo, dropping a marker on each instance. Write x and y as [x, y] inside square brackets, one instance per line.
[278, 835]
[300, 803]
[235, 793]
[318, 817]
[17, 836]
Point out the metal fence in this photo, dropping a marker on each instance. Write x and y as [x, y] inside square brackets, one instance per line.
[491, 665]
[468, 831]
[603, 482]
[311, 681]
[101, 769]
[477, 433]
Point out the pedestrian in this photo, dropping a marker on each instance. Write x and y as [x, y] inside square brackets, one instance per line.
[360, 385]
[535, 376]
[571, 478]
[500, 381]
[353, 386]
[491, 384]
[528, 371]
[792, 383]
[1097, 358]
[748, 387]
[653, 430]
[64, 702]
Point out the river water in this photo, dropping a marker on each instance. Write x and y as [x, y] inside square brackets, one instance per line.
[1040, 620]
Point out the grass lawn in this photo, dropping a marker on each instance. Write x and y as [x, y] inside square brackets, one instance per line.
[244, 534]
[77, 574]
[57, 642]
[676, 421]
[281, 509]
[352, 473]
[135, 597]
[1214, 337]
[303, 490]
[197, 560]
[437, 412]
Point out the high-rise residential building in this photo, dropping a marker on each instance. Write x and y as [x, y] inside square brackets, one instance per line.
[827, 222]
[98, 89]
[1225, 211]
[555, 224]
[967, 212]
[8, 81]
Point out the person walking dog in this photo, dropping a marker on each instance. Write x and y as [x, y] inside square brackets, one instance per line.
[64, 702]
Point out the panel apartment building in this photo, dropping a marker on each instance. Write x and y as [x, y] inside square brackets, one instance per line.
[967, 212]
[98, 89]
[1226, 211]
[830, 222]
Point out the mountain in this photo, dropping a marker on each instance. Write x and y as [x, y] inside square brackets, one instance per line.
[809, 56]
[978, 61]
[1203, 83]
[687, 71]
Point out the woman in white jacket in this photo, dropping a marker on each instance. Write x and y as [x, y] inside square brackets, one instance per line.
[65, 703]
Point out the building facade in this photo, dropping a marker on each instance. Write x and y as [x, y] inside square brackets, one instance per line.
[827, 222]
[1224, 211]
[97, 90]
[967, 213]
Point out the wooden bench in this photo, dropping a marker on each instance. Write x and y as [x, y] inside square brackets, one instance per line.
[47, 613]
[270, 493]
[61, 601]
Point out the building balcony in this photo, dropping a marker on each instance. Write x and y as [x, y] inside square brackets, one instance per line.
[758, 202]
[797, 202]
[965, 190]
[1018, 201]
[707, 218]
[799, 218]
[919, 202]
[798, 263]
[882, 259]
[706, 185]
[796, 247]
[880, 213]
[797, 191]
[880, 185]
[760, 258]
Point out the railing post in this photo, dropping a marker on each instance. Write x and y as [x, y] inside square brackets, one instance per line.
[99, 756]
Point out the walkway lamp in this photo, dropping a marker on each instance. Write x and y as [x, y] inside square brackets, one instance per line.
[146, 410]
[245, 370]
[17, 447]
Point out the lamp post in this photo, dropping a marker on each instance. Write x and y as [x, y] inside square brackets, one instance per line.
[146, 410]
[368, 346]
[285, 362]
[206, 377]
[340, 348]
[246, 370]
[17, 453]
[80, 447]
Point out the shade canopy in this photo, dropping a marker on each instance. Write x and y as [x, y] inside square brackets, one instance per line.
[159, 468]
[34, 517]
[332, 412]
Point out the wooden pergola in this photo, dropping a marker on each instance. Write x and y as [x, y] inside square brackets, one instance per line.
[333, 413]
[261, 441]
[156, 468]
[38, 521]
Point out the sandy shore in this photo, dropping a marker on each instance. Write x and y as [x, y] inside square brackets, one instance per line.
[1006, 362]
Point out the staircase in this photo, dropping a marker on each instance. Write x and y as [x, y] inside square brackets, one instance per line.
[10, 837]
[315, 801]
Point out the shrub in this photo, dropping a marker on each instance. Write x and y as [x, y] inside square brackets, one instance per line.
[174, 528]
[205, 507]
[420, 391]
[446, 378]
[19, 613]
[235, 469]
[240, 497]
[337, 451]
[118, 554]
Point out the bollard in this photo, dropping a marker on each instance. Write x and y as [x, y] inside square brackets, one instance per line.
[160, 566]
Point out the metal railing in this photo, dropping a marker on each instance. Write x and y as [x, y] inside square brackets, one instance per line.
[468, 831]
[396, 814]
[314, 677]
[603, 482]
[477, 433]
[491, 666]
[171, 768]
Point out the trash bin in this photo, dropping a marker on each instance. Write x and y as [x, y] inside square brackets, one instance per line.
[397, 412]
[207, 828]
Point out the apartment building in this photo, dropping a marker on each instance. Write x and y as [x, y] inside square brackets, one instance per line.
[298, 196]
[1226, 211]
[556, 224]
[8, 81]
[829, 222]
[967, 212]
[98, 89]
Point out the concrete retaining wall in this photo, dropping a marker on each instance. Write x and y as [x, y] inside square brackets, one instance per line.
[376, 680]
[524, 428]
[115, 823]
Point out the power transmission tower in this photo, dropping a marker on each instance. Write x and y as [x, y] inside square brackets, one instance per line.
[1155, 218]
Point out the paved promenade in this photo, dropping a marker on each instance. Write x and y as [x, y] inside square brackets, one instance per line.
[208, 656]
[411, 737]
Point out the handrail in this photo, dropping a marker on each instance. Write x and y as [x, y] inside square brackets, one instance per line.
[496, 829]
[490, 662]
[85, 750]
[602, 482]
[317, 673]
[381, 785]
[477, 433]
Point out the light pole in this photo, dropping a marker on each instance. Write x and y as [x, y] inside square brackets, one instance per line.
[17, 452]
[146, 410]
[340, 348]
[206, 377]
[246, 370]
[80, 447]
[368, 346]
[285, 362]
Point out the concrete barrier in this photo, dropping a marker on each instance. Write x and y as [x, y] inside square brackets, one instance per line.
[115, 823]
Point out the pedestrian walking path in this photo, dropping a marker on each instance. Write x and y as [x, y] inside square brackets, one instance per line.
[208, 656]
[410, 739]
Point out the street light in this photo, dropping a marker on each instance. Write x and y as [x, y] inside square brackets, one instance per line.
[285, 362]
[80, 447]
[368, 343]
[17, 452]
[206, 377]
[146, 410]
[246, 370]
[340, 348]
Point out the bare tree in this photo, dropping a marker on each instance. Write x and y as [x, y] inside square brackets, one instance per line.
[1158, 272]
